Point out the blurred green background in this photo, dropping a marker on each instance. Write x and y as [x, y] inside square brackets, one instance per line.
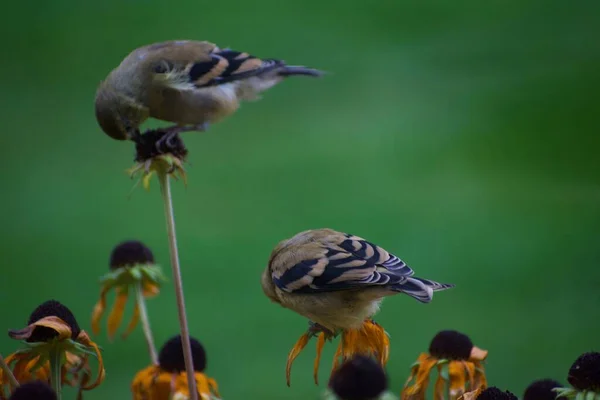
[462, 136]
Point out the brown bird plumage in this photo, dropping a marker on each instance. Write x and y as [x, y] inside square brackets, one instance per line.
[189, 83]
[338, 280]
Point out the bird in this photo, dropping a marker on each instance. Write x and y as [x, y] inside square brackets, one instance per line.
[337, 281]
[192, 84]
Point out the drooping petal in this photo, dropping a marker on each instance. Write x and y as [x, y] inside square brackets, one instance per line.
[470, 369]
[298, 347]
[132, 322]
[472, 395]
[214, 387]
[440, 384]
[478, 354]
[458, 379]
[85, 340]
[320, 345]
[116, 314]
[99, 310]
[418, 389]
[370, 339]
[56, 324]
[480, 379]
[149, 289]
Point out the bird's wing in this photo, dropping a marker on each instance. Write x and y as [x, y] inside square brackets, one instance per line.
[349, 262]
[191, 69]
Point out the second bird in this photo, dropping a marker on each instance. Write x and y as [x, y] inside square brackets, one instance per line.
[189, 83]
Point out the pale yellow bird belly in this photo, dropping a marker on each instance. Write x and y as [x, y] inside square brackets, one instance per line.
[192, 107]
[334, 310]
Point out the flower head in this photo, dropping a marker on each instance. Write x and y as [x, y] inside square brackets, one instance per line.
[38, 390]
[151, 158]
[358, 378]
[369, 339]
[584, 376]
[490, 393]
[132, 268]
[168, 380]
[457, 360]
[541, 389]
[53, 335]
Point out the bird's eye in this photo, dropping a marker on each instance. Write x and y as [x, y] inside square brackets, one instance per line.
[163, 67]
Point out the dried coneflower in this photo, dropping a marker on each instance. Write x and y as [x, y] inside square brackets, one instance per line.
[168, 379]
[490, 393]
[541, 389]
[37, 390]
[584, 377]
[458, 362]
[56, 350]
[132, 269]
[359, 378]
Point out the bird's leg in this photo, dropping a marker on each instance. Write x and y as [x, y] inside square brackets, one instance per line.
[172, 132]
[315, 328]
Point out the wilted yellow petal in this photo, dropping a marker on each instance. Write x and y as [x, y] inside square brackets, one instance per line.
[150, 289]
[116, 314]
[418, 389]
[99, 310]
[458, 379]
[298, 347]
[132, 322]
[320, 345]
[84, 339]
[440, 386]
[56, 324]
[478, 354]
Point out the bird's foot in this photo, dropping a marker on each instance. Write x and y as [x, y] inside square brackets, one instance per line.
[316, 328]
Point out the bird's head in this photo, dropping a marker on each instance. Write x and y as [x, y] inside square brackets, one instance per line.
[110, 113]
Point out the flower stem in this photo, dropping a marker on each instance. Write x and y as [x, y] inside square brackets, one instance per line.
[141, 304]
[165, 189]
[8, 372]
[55, 370]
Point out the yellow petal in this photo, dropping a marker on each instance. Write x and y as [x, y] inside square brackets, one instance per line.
[480, 379]
[458, 379]
[132, 322]
[440, 386]
[320, 345]
[150, 289]
[99, 310]
[56, 324]
[298, 347]
[214, 388]
[116, 314]
[84, 339]
[418, 389]
[478, 354]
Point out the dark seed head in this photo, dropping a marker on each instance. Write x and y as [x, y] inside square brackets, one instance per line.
[51, 308]
[146, 145]
[171, 359]
[130, 253]
[451, 345]
[359, 378]
[585, 372]
[541, 390]
[493, 393]
[35, 390]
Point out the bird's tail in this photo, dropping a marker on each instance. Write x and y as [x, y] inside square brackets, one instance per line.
[290, 70]
[421, 289]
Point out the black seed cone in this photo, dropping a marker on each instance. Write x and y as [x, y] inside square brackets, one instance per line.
[48, 309]
[493, 393]
[585, 372]
[36, 390]
[145, 147]
[541, 390]
[130, 253]
[451, 345]
[171, 358]
[359, 378]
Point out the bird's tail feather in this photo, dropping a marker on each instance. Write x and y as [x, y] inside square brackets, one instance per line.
[290, 70]
[421, 289]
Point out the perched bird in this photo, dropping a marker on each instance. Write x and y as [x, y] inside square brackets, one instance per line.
[190, 83]
[337, 281]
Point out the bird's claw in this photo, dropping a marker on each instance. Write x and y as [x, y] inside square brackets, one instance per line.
[316, 328]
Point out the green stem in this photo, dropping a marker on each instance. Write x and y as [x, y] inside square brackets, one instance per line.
[141, 304]
[55, 370]
[165, 189]
[8, 373]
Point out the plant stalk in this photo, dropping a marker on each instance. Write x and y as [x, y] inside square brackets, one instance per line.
[141, 304]
[55, 370]
[8, 373]
[165, 189]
